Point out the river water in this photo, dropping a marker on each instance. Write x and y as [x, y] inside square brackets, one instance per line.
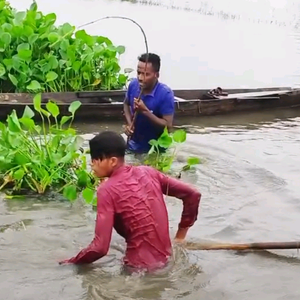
[248, 177]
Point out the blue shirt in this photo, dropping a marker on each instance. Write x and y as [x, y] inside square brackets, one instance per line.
[160, 102]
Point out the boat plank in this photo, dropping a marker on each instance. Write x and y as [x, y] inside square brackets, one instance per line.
[94, 108]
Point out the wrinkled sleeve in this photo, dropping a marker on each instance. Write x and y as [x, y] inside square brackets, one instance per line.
[103, 230]
[189, 196]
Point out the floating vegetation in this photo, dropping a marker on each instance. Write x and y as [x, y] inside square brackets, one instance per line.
[38, 56]
[44, 157]
[164, 151]
[39, 158]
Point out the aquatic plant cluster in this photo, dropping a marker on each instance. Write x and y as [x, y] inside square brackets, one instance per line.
[39, 158]
[37, 56]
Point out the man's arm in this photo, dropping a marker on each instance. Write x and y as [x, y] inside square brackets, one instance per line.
[166, 120]
[127, 113]
[166, 110]
[189, 196]
[103, 231]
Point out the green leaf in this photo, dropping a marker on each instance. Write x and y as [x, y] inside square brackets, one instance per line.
[179, 136]
[51, 76]
[19, 174]
[34, 86]
[2, 70]
[13, 79]
[76, 144]
[165, 141]
[53, 37]
[67, 158]
[13, 122]
[32, 39]
[19, 17]
[121, 49]
[88, 195]
[82, 178]
[33, 6]
[70, 192]
[6, 38]
[45, 113]
[27, 122]
[28, 112]
[24, 54]
[37, 100]
[153, 142]
[74, 106]
[21, 159]
[64, 120]
[122, 79]
[193, 161]
[185, 168]
[53, 108]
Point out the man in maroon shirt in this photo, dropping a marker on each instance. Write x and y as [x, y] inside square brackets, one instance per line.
[131, 201]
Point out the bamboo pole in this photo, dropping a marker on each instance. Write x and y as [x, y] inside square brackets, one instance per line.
[250, 246]
[147, 57]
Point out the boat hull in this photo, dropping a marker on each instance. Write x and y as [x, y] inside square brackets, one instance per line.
[101, 105]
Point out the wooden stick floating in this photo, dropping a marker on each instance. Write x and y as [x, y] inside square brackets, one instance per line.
[251, 246]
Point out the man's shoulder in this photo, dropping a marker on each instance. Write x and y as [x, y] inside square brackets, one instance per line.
[150, 171]
[104, 187]
[164, 91]
[164, 88]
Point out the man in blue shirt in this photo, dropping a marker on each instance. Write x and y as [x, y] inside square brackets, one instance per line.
[155, 109]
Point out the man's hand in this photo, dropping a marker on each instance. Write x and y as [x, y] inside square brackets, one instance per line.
[179, 241]
[139, 105]
[64, 262]
[180, 235]
[127, 130]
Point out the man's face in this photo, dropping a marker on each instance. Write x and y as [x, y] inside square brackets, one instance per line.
[146, 76]
[103, 168]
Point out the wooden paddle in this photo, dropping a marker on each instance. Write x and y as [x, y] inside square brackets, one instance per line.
[250, 246]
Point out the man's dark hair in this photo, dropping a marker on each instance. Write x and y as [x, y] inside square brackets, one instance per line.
[107, 144]
[154, 59]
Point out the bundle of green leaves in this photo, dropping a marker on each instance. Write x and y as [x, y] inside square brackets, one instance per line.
[44, 157]
[37, 56]
[50, 155]
[164, 150]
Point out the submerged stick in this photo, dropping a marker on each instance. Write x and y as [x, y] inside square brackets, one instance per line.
[250, 246]
[147, 52]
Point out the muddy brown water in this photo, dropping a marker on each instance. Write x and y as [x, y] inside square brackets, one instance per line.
[249, 180]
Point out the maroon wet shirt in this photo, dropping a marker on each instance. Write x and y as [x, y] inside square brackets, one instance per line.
[131, 201]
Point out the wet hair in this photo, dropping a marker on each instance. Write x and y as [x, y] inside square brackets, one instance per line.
[106, 145]
[154, 59]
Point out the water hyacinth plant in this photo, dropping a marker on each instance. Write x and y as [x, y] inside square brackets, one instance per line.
[164, 150]
[44, 157]
[38, 56]
[50, 156]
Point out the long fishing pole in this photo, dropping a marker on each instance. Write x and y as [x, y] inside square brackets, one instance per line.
[147, 57]
[250, 246]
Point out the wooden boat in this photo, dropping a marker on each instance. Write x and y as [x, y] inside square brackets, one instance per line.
[98, 105]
